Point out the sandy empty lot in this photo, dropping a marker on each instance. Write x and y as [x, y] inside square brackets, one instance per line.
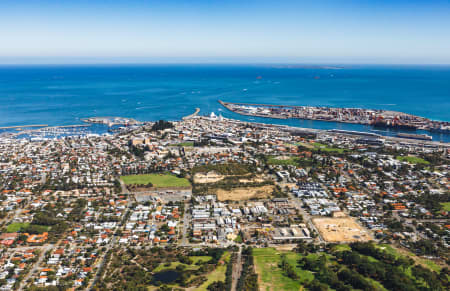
[244, 193]
[213, 176]
[210, 177]
[342, 229]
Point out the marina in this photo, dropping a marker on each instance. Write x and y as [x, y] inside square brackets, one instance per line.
[111, 121]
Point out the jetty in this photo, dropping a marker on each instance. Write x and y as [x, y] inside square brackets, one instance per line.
[197, 110]
[69, 126]
[24, 126]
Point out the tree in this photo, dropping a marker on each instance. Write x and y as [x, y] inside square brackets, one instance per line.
[161, 125]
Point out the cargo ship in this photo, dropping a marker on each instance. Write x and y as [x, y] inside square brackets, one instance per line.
[380, 122]
[403, 126]
[415, 136]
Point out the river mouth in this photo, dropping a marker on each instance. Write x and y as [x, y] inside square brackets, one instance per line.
[165, 277]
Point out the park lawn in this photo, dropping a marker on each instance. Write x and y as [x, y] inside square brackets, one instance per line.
[157, 180]
[326, 148]
[26, 226]
[389, 249]
[196, 259]
[446, 206]
[238, 239]
[184, 144]
[173, 265]
[271, 276]
[412, 160]
[290, 161]
[341, 248]
[305, 144]
[430, 264]
[217, 275]
[16, 226]
[424, 262]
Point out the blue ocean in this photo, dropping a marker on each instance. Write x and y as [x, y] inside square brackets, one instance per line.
[63, 94]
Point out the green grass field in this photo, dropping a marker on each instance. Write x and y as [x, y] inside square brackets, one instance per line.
[26, 227]
[192, 266]
[173, 265]
[274, 161]
[217, 275]
[424, 262]
[158, 180]
[341, 248]
[412, 160]
[326, 148]
[16, 226]
[271, 276]
[446, 206]
[184, 144]
[238, 239]
[196, 259]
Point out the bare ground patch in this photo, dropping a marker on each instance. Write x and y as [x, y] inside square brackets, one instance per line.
[210, 177]
[342, 229]
[245, 193]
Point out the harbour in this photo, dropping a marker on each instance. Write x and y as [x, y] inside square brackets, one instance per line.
[171, 92]
[374, 118]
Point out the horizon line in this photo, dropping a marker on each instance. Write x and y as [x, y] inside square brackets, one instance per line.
[216, 60]
[223, 64]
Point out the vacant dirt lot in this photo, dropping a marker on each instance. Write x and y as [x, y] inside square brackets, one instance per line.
[342, 229]
[210, 177]
[245, 193]
[213, 176]
[257, 179]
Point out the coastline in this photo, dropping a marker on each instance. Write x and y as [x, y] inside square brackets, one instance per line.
[26, 134]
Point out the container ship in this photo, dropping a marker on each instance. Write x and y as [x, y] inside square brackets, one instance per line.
[415, 136]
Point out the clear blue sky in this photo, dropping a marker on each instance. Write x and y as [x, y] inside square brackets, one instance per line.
[345, 31]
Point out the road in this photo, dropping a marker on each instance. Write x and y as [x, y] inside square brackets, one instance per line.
[306, 217]
[124, 187]
[111, 243]
[237, 270]
[186, 219]
[44, 250]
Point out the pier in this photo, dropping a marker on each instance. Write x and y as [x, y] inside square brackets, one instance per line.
[24, 126]
[68, 126]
